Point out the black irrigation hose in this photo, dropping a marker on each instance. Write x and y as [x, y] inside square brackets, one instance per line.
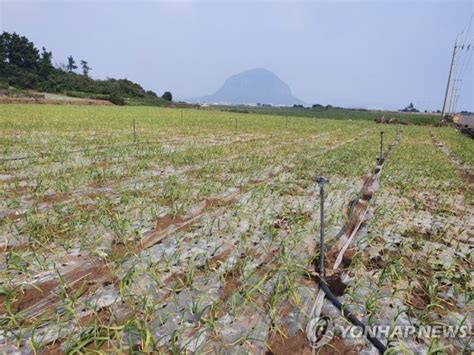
[324, 285]
[321, 278]
[347, 314]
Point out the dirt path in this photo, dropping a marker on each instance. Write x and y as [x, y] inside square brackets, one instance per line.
[465, 171]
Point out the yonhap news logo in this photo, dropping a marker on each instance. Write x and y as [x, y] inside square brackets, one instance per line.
[320, 331]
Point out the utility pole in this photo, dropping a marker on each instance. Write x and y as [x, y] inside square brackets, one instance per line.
[449, 78]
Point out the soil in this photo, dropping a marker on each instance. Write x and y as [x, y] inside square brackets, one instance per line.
[418, 298]
[183, 222]
[337, 346]
[164, 222]
[330, 258]
[296, 344]
[347, 257]
[56, 198]
[52, 349]
[336, 285]
[375, 263]
[86, 277]
[231, 283]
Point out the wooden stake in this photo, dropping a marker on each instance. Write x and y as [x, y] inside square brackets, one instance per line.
[134, 132]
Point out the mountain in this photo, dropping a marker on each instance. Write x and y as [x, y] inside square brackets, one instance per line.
[252, 87]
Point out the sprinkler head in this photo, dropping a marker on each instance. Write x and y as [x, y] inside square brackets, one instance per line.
[321, 180]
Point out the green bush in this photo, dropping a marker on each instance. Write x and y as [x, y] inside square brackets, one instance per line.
[167, 96]
[117, 100]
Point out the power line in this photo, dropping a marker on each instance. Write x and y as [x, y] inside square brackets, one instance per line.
[464, 63]
[461, 65]
[460, 60]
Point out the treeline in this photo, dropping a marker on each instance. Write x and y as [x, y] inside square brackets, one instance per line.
[23, 66]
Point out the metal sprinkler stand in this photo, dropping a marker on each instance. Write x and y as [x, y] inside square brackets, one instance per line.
[321, 180]
[322, 277]
[381, 147]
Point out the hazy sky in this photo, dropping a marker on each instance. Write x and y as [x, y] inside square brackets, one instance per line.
[376, 54]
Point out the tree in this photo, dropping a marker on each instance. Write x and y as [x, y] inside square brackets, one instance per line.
[46, 58]
[3, 55]
[167, 96]
[85, 68]
[19, 60]
[45, 64]
[410, 108]
[23, 66]
[18, 51]
[71, 64]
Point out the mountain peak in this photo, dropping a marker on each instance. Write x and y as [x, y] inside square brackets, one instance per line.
[258, 85]
[257, 71]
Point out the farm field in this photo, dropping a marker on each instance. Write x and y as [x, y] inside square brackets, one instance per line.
[418, 118]
[199, 232]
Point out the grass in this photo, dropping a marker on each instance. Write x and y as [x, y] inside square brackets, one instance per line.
[207, 224]
[460, 145]
[341, 114]
[419, 225]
